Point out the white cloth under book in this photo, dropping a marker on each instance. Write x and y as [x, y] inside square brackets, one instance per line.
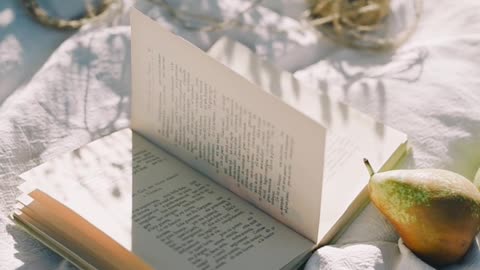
[54, 100]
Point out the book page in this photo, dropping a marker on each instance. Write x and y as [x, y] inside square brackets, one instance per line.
[191, 222]
[94, 181]
[226, 127]
[351, 135]
[172, 217]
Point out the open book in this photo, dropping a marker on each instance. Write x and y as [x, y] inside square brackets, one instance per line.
[221, 169]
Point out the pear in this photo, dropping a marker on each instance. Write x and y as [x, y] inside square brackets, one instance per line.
[435, 212]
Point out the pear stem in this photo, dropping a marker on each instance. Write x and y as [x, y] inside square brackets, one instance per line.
[369, 167]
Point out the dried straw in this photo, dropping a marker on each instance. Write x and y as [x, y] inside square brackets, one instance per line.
[354, 23]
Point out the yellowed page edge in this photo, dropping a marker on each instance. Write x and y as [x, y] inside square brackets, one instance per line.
[80, 236]
[31, 227]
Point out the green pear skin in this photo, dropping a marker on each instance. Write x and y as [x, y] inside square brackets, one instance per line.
[435, 212]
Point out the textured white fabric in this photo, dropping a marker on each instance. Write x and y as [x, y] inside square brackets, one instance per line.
[61, 90]
[428, 89]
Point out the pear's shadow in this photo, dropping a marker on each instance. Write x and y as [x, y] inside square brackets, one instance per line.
[471, 259]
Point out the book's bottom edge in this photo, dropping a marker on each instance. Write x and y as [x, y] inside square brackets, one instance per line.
[50, 243]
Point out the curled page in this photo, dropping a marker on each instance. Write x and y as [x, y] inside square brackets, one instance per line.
[245, 139]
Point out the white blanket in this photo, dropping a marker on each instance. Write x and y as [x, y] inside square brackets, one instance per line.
[59, 91]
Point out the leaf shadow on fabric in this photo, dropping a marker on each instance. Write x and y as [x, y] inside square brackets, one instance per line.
[24, 46]
[368, 73]
[91, 92]
[272, 36]
[81, 93]
[406, 65]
